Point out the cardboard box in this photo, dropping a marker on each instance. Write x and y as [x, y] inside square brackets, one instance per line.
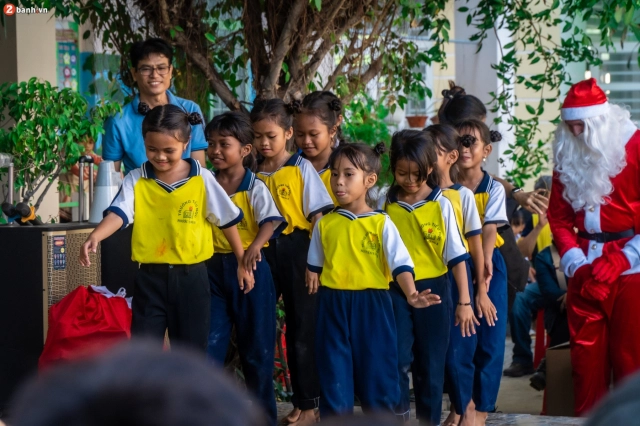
[559, 391]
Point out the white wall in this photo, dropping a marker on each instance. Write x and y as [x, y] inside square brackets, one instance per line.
[474, 73]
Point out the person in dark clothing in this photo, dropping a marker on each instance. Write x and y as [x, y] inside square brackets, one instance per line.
[548, 294]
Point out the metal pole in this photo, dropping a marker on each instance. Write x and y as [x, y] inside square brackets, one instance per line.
[10, 199]
[90, 185]
[81, 193]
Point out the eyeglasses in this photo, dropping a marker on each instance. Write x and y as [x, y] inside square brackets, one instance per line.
[146, 71]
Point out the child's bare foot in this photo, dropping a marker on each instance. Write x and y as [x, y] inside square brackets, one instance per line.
[469, 416]
[292, 417]
[307, 417]
[481, 418]
[453, 418]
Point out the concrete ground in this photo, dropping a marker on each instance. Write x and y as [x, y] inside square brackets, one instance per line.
[518, 403]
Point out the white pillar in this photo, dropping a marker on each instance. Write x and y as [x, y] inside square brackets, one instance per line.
[474, 73]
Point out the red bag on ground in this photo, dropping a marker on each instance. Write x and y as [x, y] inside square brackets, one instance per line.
[87, 321]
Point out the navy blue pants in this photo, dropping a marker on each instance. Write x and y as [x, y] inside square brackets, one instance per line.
[254, 316]
[356, 351]
[526, 304]
[459, 366]
[489, 356]
[423, 339]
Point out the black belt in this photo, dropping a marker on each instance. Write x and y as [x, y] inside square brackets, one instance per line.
[606, 237]
[164, 267]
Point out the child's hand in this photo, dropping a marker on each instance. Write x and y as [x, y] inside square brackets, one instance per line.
[245, 279]
[486, 309]
[488, 271]
[423, 299]
[90, 246]
[251, 257]
[466, 319]
[313, 282]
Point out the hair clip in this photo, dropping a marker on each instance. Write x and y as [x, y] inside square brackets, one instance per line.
[335, 105]
[467, 140]
[143, 108]
[194, 118]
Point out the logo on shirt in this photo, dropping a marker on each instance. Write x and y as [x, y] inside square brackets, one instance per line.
[431, 232]
[188, 212]
[371, 244]
[243, 224]
[284, 191]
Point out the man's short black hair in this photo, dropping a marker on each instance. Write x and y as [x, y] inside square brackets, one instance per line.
[142, 49]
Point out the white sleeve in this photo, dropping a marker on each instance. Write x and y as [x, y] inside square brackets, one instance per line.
[123, 204]
[264, 207]
[395, 251]
[454, 250]
[470, 215]
[496, 210]
[315, 256]
[221, 211]
[315, 198]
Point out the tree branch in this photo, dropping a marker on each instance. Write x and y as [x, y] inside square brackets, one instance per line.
[254, 39]
[212, 76]
[281, 49]
[327, 45]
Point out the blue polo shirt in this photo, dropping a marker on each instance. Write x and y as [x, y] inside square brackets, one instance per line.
[123, 139]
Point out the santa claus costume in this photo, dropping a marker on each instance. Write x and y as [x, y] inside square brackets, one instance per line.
[596, 190]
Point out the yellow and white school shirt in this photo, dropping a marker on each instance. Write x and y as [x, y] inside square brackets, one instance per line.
[357, 252]
[255, 201]
[430, 231]
[464, 206]
[491, 201]
[173, 221]
[298, 192]
[325, 176]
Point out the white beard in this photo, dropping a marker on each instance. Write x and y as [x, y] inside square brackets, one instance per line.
[587, 163]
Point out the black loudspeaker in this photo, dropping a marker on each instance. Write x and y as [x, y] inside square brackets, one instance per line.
[38, 267]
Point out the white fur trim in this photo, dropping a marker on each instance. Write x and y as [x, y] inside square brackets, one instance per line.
[572, 260]
[627, 130]
[581, 113]
[632, 251]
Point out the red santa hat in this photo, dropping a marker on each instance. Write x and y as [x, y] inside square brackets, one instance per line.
[584, 100]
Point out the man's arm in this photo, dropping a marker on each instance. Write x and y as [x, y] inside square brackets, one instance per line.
[532, 201]
[561, 220]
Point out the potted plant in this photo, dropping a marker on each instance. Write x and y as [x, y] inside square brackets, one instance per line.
[420, 121]
[46, 124]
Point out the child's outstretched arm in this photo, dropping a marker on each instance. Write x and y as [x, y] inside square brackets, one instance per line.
[416, 299]
[105, 228]
[401, 266]
[245, 276]
[484, 306]
[464, 311]
[253, 253]
[269, 220]
[315, 261]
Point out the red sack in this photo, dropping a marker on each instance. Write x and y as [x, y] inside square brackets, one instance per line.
[83, 323]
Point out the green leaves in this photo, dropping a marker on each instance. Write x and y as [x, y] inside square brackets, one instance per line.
[48, 125]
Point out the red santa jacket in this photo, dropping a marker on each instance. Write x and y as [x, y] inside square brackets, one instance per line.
[621, 213]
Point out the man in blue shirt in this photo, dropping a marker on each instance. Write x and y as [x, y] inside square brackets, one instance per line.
[152, 71]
